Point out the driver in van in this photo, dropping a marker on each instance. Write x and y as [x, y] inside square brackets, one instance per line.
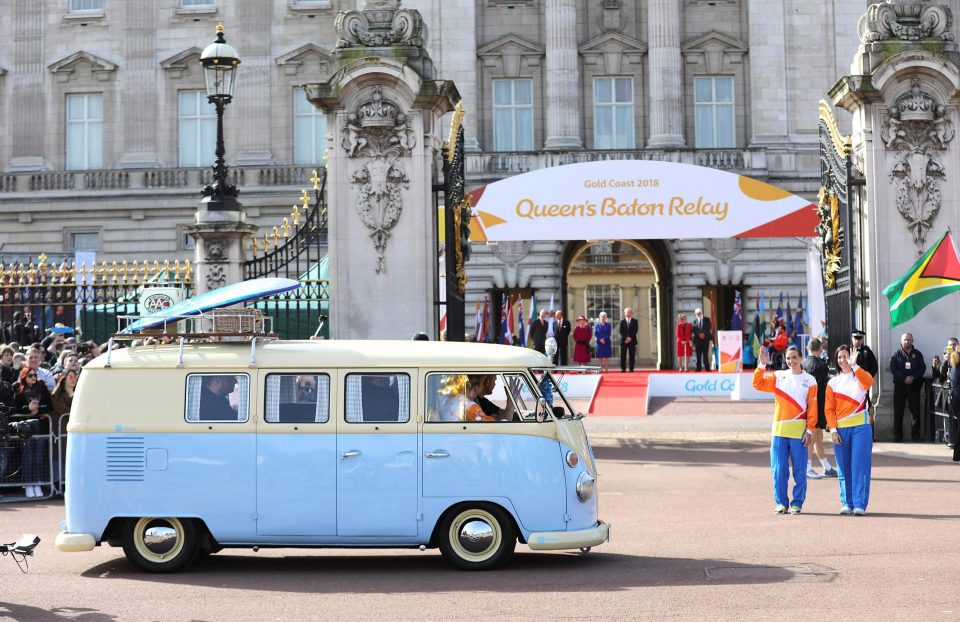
[460, 394]
[488, 383]
[214, 403]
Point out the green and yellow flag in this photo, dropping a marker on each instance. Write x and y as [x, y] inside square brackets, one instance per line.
[935, 275]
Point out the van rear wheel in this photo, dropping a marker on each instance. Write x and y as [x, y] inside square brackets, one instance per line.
[478, 538]
[160, 544]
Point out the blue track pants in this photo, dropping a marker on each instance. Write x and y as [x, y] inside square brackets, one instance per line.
[854, 456]
[783, 453]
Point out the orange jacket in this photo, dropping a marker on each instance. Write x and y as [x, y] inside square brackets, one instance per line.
[795, 400]
[846, 400]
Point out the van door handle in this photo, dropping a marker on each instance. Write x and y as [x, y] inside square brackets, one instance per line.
[437, 454]
[350, 454]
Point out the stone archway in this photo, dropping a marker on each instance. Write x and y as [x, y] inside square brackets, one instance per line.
[639, 275]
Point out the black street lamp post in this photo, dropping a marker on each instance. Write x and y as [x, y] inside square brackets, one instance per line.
[219, 60]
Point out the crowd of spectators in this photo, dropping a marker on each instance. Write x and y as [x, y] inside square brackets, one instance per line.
[39, 371]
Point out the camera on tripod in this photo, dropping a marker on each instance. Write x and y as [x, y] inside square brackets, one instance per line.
[23, 429]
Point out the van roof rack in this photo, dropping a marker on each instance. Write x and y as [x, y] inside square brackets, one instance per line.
[230, 324]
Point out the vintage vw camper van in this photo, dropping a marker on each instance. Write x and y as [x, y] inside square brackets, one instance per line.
[176, 451]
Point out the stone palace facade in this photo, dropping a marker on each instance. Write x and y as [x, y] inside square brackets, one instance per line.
[106, 136]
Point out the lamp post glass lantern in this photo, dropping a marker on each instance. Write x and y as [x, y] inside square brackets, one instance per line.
[220, 62]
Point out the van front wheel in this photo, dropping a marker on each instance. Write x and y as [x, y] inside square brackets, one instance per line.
[160, 544]
[478, 538]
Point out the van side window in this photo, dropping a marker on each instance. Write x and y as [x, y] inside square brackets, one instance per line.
[377, 398]
[218, 397]
[301, 398]
[473, 398]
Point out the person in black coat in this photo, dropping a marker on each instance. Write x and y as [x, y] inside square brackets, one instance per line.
[538, 332]
[214, 403]
[628, 339]
[865, 356]
[908, 367]
[561, 331]
[702, 338]
[818, 368]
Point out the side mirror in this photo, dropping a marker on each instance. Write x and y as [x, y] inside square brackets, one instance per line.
[541, 412]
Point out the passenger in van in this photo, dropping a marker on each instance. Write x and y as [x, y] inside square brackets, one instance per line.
[214, 403]
[460, 393]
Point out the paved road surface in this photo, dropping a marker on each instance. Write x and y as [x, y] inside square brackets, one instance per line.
[694, 538]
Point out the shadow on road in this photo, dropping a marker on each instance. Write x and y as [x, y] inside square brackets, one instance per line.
[429, 573]
[36, 614]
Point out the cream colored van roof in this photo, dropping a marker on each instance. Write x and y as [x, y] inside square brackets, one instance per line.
[315, 354]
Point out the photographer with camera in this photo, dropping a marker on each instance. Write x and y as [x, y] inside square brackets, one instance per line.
[32, 399]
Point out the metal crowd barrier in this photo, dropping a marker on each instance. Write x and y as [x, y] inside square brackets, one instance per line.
[44, 450]
[942, 412]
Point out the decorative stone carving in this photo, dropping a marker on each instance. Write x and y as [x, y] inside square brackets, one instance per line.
[906, 20]
[216, 250]
[381, 134]
[216, 277]
[919, 130]
[723, 249]
[380, 23]
[512, 253]
[610, 17]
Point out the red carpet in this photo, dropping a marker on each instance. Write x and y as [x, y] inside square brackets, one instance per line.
[621, 394]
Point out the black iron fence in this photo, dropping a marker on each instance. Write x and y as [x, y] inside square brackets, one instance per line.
[88, 299]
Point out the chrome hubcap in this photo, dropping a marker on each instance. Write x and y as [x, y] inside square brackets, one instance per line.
[160, 539]
[476, 536]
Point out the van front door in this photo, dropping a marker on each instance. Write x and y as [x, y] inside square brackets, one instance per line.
[377, 466]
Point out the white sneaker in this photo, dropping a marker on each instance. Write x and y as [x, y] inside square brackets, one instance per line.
[29, 491]
[37, 491]
[859, 512]
[846, 510]
[811, 474]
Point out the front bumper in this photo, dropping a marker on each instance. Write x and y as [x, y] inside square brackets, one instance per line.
[560, 540]
[75, 542]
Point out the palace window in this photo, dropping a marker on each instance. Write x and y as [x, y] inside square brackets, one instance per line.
[198, 129]
[714, 112]
[513, 115]
[84, 131]
[190, 4]
[309, 131]
[613, 113]
[77, 6]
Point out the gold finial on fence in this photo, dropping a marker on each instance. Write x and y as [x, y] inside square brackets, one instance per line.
[166, 269]
[253, 245]
[285, 227]
[124, 270]
[43, 262]
[266, 243]
[276, 236]
[316, 180]
[296, 215]
[189, 271]
[305, 199]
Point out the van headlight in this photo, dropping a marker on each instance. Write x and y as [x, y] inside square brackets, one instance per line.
[585, 486]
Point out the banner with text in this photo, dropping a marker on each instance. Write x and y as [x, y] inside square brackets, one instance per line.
[636, 199]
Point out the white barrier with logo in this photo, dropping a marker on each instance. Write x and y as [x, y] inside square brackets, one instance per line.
[737, 387]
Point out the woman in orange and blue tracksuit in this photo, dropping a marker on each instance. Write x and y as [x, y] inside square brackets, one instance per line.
[846, 410]
[794, 419]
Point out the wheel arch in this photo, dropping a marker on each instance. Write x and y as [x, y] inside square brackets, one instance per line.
[461, 505]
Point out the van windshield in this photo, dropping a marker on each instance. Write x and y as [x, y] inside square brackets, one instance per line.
[550, 390]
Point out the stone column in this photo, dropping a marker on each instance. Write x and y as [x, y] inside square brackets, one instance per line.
[563, 77]
[220, 247]
[137, 85]
[383, 107]
[768, 74]
[25, 83]
[666, 75]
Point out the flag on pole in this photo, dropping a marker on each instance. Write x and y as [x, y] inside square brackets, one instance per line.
[756, 335]
[933, 276]
[505, 337]
[760, 309]
[780, 307]
[737, 321]
[511, 321]
[770, 309]
[533, 316]
[522, 333]
[788, 320]
[483, 333]
[478, 320]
